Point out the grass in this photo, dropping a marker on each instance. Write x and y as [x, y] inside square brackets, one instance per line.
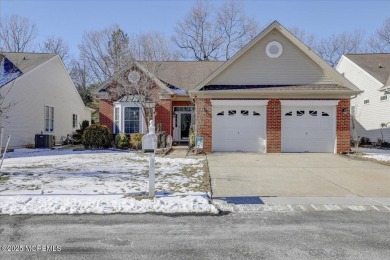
[4, 179]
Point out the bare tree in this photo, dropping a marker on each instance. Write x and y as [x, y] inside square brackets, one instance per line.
[307, 38]
[237, 28]
[331, 49]
[17, 34]
[380, 41]
[105, 51]
[56, 45]
[207, 33]
[198, 34]
[152, 47]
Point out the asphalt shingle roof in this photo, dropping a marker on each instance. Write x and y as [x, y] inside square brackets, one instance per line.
[26, 61]
[376, 64]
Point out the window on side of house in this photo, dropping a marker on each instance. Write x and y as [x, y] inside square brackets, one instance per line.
[366, 101]
[384, 98]
[49, 118]
[74, 120]
[116, 120]
[132, 118]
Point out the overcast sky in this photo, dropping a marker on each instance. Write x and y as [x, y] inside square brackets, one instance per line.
[70, 18]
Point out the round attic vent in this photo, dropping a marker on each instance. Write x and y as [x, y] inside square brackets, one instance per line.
[134, 76]
[274, 49]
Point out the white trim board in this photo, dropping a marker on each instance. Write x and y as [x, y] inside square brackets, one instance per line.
[239, 102]
[309, 103]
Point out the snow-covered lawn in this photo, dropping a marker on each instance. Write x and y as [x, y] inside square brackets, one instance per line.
[70, 182]
[377, 154]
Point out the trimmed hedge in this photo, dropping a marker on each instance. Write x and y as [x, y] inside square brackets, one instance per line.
[136, 140]
[121, 141]
[97, 136]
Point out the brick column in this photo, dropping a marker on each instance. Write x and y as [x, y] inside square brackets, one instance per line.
[274, 126]
[204, 121]
[343, 131]
[106, 113]
[164, 116]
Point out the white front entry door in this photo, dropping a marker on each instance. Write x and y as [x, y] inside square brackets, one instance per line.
[308, 129]
[238, 128]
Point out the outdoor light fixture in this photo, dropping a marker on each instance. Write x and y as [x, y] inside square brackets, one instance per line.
[344, 111]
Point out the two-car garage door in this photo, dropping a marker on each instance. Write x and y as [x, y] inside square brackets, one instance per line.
[306, 126]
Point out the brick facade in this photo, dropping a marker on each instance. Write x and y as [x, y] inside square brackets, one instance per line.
[204, 122]
[164, 116]
[274, 126]
[343, 126]
[106, 113]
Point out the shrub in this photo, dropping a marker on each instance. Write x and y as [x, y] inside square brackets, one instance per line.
[364, 141]
[121, 141]
[136, 140]
[97, 136]
[78, 135]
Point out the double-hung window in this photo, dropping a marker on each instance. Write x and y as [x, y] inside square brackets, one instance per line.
[132, 118]
[49, 118]
[74, 121]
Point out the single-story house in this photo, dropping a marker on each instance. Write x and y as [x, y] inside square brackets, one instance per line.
[40, 96]
[275, 95]
[371, 110]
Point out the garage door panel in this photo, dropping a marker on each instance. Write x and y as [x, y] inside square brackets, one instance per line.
[239, 131]
[308, 129]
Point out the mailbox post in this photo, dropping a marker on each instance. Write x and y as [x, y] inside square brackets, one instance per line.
[149, 143]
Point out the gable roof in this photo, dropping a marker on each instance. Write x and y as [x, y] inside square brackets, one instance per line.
[183, 75]
[376, 64]
[26, 61]
[328, 70]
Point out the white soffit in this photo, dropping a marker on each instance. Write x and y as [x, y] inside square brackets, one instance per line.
[309, 103]
[239, 102]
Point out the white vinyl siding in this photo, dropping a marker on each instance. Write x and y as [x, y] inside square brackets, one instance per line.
[49, 118]
[369, 117]
[255, 68]
[49, 82]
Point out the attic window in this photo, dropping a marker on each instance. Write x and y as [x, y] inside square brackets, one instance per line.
[274, 49]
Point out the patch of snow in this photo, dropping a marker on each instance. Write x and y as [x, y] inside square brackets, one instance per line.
[13, 205]
[372, 150]
[377, 156]
[77, 178]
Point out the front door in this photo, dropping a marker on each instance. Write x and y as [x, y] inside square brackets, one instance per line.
[185, 123]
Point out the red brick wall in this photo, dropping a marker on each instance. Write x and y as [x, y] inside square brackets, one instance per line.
[204, 119]
[106, 113]
[343, 126]
[182, 103]
[274, 142]
[164, 115]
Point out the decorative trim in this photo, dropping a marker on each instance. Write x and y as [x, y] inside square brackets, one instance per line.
[309, 103]
[274, 44]
[239, 102]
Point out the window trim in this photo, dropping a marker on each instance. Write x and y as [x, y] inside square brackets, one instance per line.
[49, 128]
[121, 126]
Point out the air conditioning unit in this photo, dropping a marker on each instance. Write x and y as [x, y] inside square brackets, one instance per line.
[44, 141]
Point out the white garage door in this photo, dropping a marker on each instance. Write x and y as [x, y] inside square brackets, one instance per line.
[238, 128]
[308, 129]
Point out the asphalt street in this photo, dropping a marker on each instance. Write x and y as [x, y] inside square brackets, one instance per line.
[255, 235]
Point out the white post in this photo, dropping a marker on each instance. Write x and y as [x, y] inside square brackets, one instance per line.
[1, 139]
[5, 151]
[152, 131]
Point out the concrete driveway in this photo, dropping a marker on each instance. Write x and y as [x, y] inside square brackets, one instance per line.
[296, 175]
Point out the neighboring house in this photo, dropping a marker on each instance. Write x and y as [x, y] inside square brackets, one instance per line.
[371, 109]
[275, 95]
[42, 95]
